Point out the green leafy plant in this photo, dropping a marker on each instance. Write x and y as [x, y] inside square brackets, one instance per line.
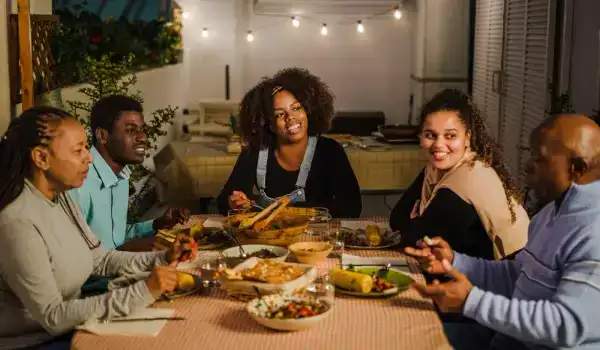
[105, 77]
[81, 33]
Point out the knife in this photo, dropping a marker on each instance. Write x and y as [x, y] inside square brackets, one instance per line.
[176, 318]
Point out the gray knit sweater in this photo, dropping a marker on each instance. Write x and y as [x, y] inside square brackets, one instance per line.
[44, 261]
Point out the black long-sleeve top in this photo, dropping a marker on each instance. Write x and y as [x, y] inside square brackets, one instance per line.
[447, 216]
[331, 181]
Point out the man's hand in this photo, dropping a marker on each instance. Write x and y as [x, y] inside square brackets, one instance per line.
[171, 217]
[450, 296]
[430, 256]
[183, 248]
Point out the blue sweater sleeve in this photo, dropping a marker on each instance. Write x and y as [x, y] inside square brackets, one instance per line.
[495, 276]
[566, 319]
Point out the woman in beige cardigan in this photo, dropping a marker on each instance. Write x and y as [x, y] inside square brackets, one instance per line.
[465, 194]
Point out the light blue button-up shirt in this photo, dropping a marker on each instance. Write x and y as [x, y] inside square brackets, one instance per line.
[103, 200]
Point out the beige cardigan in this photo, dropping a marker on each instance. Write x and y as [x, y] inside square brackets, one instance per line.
[479, 185]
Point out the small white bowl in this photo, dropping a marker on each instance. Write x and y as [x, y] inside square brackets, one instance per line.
[258, 308]
[234, 252]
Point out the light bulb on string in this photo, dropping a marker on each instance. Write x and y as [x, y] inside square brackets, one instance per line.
[324, 30]
[295, 22]
[185, 15]
[205, 32]
[360, 28]
[397, 13]
[250, 36]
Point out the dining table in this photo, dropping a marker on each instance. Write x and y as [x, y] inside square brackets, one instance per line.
[214, 320]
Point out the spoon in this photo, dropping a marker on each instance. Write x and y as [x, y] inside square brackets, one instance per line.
[235, 240]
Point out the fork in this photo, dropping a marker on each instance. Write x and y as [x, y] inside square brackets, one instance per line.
[382, 272]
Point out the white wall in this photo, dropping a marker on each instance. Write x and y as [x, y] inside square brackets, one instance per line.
[366, 72]
[441, 49]
[584, 56]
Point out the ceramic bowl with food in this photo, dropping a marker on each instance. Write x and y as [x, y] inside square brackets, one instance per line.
[233, 254]
[311, 252]
[288, 312]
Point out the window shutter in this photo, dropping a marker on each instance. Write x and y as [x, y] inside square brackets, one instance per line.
[527, 69]
[487, 62]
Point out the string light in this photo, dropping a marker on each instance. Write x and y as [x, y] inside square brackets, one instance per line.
[360, 27]
[397, 13]
[250, 36]
[185, 15]
[295, 22]
[324, 30]
[205, 32]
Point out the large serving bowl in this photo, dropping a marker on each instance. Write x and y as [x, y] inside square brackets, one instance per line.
[259, 308]
[285, 229]
[249, 287]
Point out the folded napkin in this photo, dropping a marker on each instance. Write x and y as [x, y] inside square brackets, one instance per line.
[359, 224]
[132, 328]
[214, 222]
[348, 259]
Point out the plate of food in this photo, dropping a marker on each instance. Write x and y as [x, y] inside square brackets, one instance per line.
[366, 282]
[187, 284]
[233, 255]
[372, 236]
[288, 312]
[207, 238]
[268, 276]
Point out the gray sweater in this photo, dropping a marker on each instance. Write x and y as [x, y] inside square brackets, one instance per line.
[44, 261]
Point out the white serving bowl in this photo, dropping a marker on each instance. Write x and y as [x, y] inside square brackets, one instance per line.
[260, 307]
[234, 252]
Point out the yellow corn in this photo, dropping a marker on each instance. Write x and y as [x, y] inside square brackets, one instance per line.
[373, 235]
[352, 281]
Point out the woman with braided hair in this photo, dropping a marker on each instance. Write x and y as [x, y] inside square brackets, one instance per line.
[281, 120]
[465, 194]
[47, 251]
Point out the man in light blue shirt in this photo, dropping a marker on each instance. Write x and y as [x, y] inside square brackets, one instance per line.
[119, 139]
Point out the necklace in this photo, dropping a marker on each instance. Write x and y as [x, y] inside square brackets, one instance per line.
[67, 208]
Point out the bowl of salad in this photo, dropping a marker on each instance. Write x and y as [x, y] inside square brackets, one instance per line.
[289, 312]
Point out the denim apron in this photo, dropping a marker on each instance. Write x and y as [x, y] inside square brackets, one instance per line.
[296, 196]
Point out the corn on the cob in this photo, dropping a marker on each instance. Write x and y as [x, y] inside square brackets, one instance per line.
[373, 235]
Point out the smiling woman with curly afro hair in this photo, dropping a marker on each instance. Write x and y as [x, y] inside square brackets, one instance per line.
[282, 119]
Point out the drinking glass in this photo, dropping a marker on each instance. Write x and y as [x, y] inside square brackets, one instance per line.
[321, 290]
[336, 239]
[210, 269]
[319, 223]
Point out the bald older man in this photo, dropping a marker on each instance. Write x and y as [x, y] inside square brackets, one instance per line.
[549, 296]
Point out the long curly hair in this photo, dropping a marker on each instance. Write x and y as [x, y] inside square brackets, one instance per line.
[256, 108]
[482, 143]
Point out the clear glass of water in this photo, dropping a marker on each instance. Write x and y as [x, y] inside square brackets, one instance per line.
[319, 224]
[336, 239]
[321, 290]
[210, 269]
